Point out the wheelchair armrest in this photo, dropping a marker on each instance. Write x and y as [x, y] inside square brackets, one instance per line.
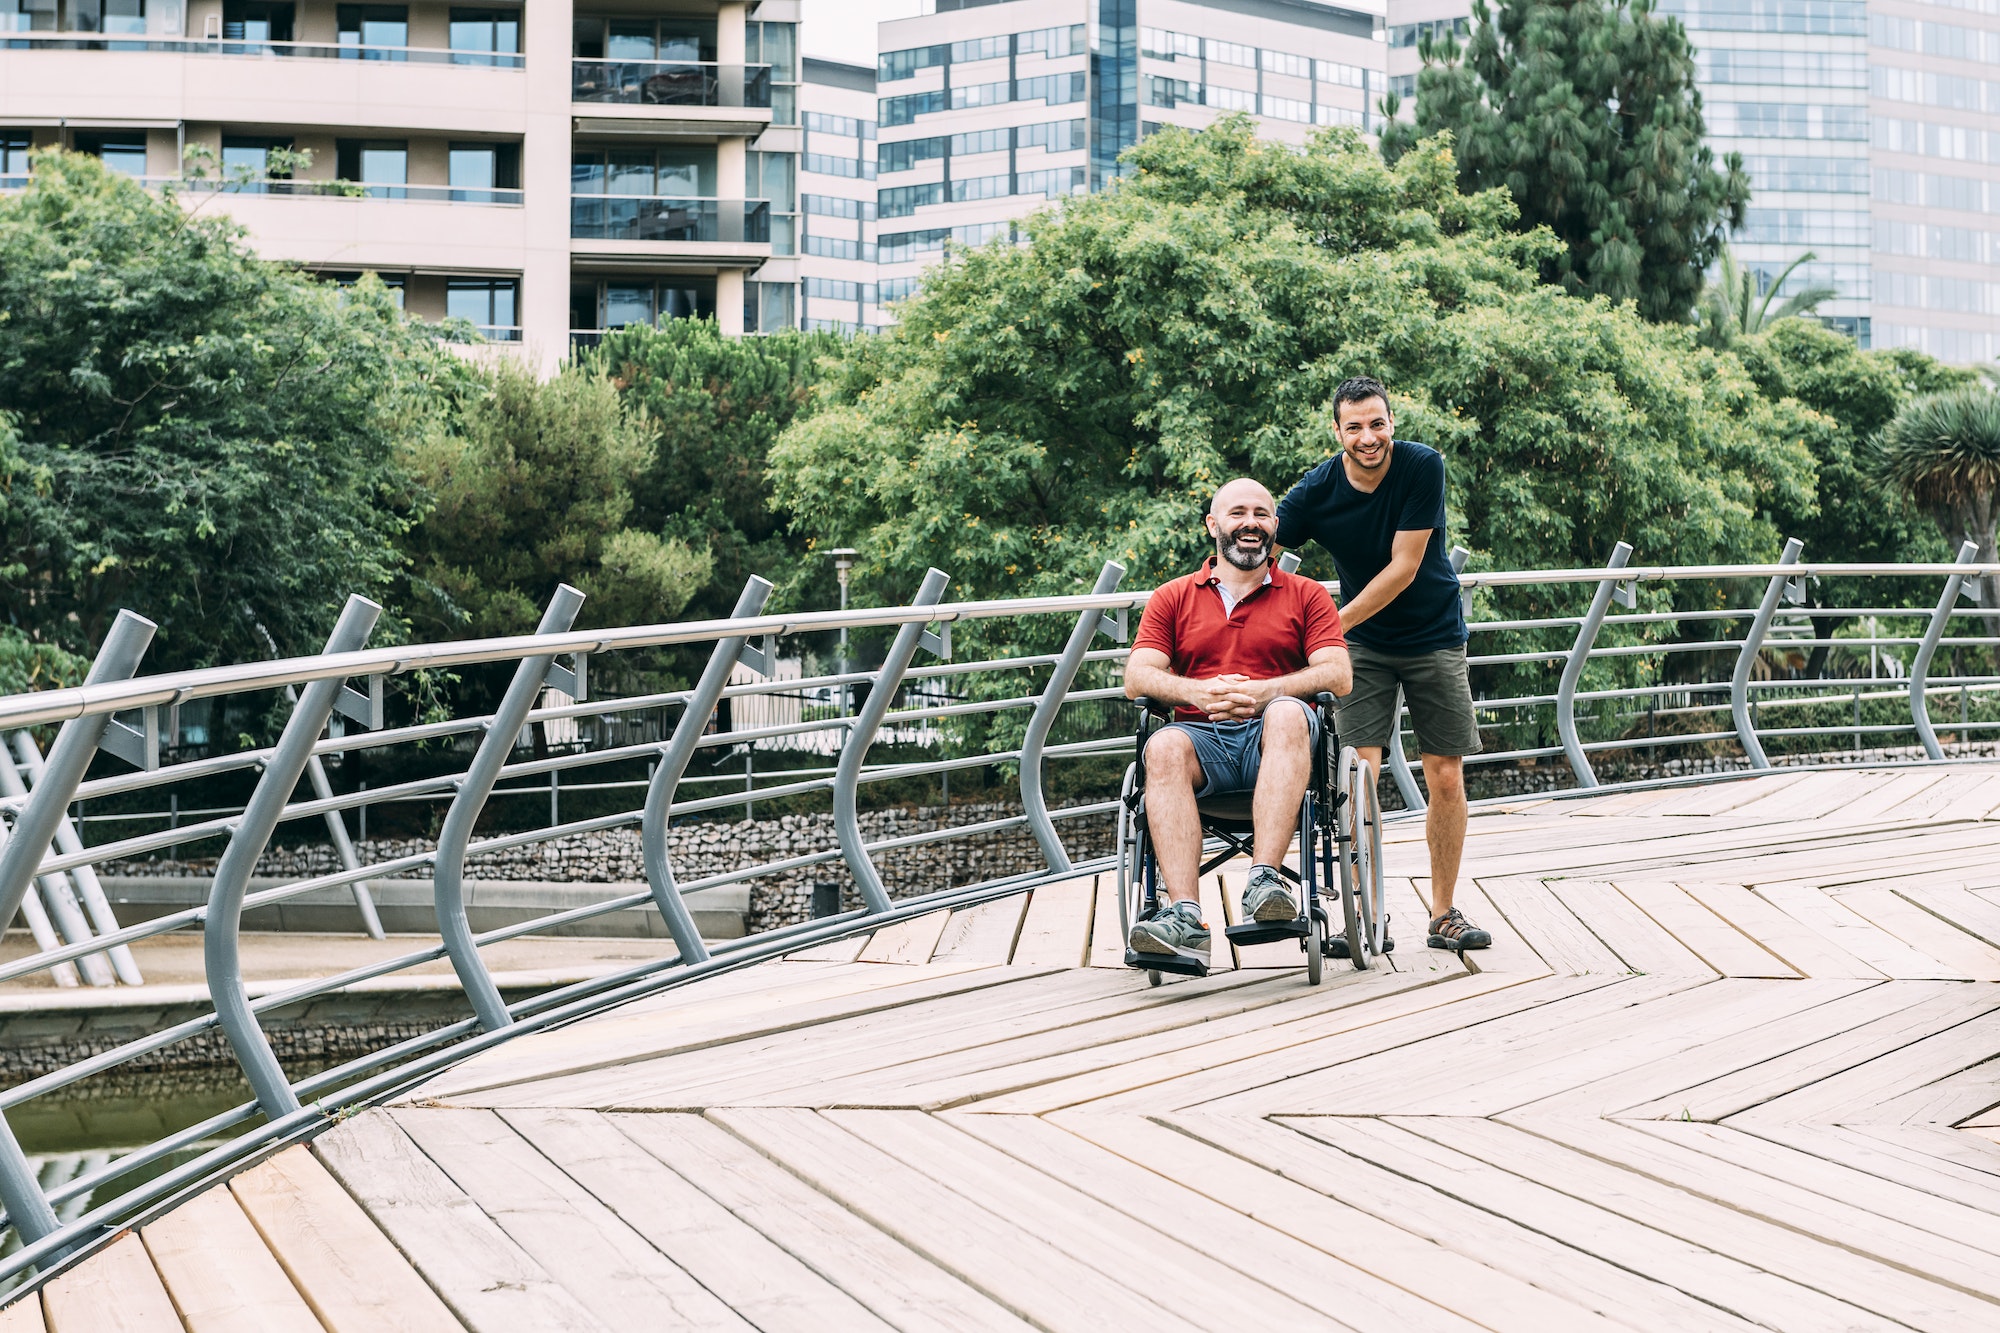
[1324, 699]
[1148, 704]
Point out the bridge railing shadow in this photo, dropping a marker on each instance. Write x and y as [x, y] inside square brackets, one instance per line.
[1621, 675]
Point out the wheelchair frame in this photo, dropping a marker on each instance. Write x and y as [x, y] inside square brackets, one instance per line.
[1339, 839]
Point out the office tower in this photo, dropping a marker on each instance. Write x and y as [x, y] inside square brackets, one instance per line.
[837, 196]
[990, 111]
[569, 167]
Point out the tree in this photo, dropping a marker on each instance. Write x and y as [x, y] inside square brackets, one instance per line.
[530, 485]
[1041, 408]
[1731, 306]
[710, 406]
[1943, 450]
[1586, 112]
[203, 437]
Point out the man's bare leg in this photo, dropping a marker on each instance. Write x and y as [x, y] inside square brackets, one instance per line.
[1444, 821]
[1173, 776]
[1281, 782]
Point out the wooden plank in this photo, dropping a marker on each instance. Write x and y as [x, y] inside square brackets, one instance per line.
[1860, 1090]
[889, 1278]
[1704, 934]
[1221, 953]
[1038, 1277]
[1855, 934]
[23, 1316]
[218, 1272]
[1958, 907]
[115, 1290]
[1958, 950]
[1509, 952]
[609, 1268]
[983, 933]
[1551, 929]
[1056, 929]
[745, 1269]
[844, 950]
[1640, 942]
[908, 941]
[1093, 1233]
[1107, 933]
[1259, 1239]
[486, 1279]
[350, 1274]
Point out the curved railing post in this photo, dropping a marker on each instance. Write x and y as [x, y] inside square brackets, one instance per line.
[220, 943]
[1920, 669]
[1579, 657]
[1753, 643]
[448, 873]
[75, 747]
[69, 843]
[1046, 708]
[27, 1207]
[674, 759]
[854, 749]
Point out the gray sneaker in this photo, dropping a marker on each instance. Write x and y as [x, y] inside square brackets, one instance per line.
[1177, 930]
[1269, 897]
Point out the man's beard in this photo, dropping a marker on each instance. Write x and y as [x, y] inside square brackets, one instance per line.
[1242, 559]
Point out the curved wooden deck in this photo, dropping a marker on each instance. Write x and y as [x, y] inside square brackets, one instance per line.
[1732, 1063]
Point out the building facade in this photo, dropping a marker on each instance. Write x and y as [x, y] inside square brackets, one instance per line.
[837, 197]
[542, 173]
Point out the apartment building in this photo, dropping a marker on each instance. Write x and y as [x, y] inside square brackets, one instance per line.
[989, 111]
[837, 170]
[544, 174]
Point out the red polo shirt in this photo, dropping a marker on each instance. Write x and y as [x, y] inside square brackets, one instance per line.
[1271, 633]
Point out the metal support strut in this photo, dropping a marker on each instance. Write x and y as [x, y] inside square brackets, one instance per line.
[674, 760]
[847, 776]
[1060, 679]
[1753, 643]
[221, 956]
[1920, 669]
[1579, 656]
[448, 880]
[27, 1207]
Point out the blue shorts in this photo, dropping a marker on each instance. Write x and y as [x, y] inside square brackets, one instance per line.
[1230, 753]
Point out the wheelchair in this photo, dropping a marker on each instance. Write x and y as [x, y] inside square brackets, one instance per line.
[1339, 842]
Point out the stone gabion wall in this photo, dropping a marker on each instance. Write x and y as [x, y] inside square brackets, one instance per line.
[703, 849]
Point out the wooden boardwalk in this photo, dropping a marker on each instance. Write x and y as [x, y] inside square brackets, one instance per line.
[1732, 1063]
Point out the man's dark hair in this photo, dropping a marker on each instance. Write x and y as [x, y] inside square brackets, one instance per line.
[1359, 389]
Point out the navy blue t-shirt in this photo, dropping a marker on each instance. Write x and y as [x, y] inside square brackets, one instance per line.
[1358, 528]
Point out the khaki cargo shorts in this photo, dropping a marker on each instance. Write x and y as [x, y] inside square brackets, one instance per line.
[1435, 689]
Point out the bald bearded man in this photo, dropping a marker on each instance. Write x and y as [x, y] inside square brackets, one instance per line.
[1238, 647]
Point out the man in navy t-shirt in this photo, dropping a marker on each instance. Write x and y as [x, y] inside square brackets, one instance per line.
[1378, 509]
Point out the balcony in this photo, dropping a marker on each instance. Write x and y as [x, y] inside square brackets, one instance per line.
[606, 217]
[678, 83]
[209, 46]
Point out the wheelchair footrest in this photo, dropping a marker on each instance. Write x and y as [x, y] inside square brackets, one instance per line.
[1263, 932]
[1180, 965]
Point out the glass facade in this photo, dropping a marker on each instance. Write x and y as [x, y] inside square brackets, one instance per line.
[1114, 86]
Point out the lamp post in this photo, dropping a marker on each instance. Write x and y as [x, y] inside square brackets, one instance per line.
[843, 563]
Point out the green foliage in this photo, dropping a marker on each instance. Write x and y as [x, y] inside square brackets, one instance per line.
[530, 485]
[1586, 112]
[1943, 450]
[710, 407]
[1731, 306]
[203, 437]
[1042, 409]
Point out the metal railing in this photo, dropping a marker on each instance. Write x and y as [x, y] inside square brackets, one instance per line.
[1710, 662]
[218, 46]
[670, 83]
[625, 217]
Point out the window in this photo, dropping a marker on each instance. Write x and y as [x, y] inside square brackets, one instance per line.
[669, 40]
[248, 161]
[1346, 76]
[833, 206]
[978, 187]
[15, 145]
[851, 167]
[1934, 39]
[478, 35]
[1057, 136]
[480, 170]
[1052, 42]
[1414, 34]
[1339, 115]
[1163, 45]
[1953, 141]
[847, 127]
[488, 304]
[1285, 108]
[768, 306]
[1232, 53]
[898, 247]
[895, 289]
[980, 48]
[256, 21]
[984, 94]
[618, 301]
[1052, 183]
[373, 28]
[906, 154]
[903, 200]
[1051, 89]
[1231, 99]
[1823, 175]
[776, 45]
[110, 16]
[1847, 18]
[839, 289]
[769, 176]
[905, 109]
[896, 65]
[395, 282]
[381, 164]
[1283, 62]
[27, 15]
[1787, 120]
[839, 247]
[1801, 69]
[123, 152]
[1171, 92]
[1804, 226]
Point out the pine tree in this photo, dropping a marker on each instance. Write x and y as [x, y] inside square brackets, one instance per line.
[1586, 111]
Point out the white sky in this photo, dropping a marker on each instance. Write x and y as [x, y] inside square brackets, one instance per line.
[845, 29]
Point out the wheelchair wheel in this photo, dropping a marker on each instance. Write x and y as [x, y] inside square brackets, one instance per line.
[1153, 977]
[1315, 960]
[1367, 811]
[1131, 888]
[1350, 830]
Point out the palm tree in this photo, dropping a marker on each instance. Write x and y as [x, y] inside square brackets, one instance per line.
[1944, 450]
[1731, 306]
